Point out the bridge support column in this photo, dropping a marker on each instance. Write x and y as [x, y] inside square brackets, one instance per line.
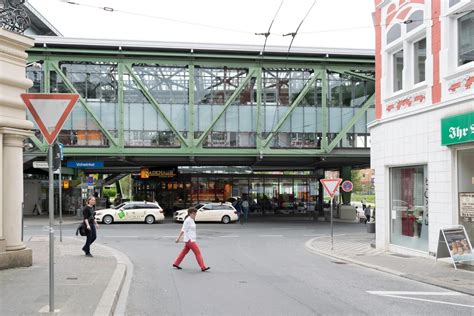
[14, 128]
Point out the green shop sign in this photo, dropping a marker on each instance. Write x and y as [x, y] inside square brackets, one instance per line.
[457, 129]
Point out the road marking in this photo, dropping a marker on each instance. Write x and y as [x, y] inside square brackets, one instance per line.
[121, 236]
[230, 236]
[400, 293]
[270, 235]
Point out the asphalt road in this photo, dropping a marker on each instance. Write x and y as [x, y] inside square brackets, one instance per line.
[261, 268]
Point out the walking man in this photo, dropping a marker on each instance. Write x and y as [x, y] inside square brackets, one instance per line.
[367, 214]
[189, 232]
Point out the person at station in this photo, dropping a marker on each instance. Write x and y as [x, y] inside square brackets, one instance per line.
[367, 213]
[238, 207]
[245, 208]
[189, 231]
[88, 215]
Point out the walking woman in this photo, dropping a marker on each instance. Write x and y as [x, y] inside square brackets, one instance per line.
[189, 232]
[91, 225]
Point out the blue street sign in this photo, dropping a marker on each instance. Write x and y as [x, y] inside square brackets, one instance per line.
[347, 186]
[85, 164]
[90, 181]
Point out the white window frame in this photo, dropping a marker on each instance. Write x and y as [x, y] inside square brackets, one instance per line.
[452, 16]
[405, 42]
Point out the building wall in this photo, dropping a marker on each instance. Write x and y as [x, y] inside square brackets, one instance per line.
[408, 130]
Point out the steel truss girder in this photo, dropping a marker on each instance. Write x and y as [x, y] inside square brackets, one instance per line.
[155, 103]
[191, 146]
[85, 104]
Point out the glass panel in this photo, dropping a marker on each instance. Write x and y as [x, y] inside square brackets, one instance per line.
[466, 39]
[286, 198]
[256, 190]
[466, 185]
[394, 33]
[301, 193]
[398, 71]
[144, 126]
[416, 19]
[419, 59]
[36, 75]
[334, 92]
[408, 207]
[453, 2]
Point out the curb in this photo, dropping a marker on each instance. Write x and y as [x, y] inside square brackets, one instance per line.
[110, 297]
[379, 268]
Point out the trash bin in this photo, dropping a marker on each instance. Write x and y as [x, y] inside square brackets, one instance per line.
[371, 227]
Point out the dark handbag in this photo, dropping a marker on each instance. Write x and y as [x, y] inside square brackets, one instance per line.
[81, 230]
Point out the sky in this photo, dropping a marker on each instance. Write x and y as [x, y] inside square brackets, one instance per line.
[330, 23]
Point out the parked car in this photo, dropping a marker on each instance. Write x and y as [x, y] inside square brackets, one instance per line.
[147, 212]
[210, 212]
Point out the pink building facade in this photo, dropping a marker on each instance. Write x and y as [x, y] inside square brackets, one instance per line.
[423, 136]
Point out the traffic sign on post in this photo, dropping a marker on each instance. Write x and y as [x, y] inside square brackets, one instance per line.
[50, 111]
[331, 186]
[347, 186]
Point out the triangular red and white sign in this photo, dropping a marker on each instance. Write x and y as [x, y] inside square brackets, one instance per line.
[50, 111]
[331, 185]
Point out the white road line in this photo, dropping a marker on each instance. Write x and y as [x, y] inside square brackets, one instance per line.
[414, 293]
[230, 236]
[270, 236]
[386, 294]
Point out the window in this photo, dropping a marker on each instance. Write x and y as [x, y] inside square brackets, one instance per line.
[409, 207]
[394, 33]
[415, 20]
[419, 59]
[453, 2]
[466, 39]
[398, 71]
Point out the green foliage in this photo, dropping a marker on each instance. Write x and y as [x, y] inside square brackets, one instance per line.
[356, 176]
[370, 198]
[110, 192]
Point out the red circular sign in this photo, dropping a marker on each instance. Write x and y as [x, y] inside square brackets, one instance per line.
[347, 186]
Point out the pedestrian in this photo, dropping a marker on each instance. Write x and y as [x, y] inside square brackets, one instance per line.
[91, 225]
[367, 214]
[238, 208]
[245, 208]
[189, 232]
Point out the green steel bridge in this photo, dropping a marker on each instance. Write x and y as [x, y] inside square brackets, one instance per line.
[147, 104]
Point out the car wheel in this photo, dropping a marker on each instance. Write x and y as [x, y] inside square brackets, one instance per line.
[226, 219]
[107, 219]
[150, 219]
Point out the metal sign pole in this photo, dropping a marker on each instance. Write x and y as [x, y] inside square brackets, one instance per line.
[332, 235]
[51, 229]
[60, 206]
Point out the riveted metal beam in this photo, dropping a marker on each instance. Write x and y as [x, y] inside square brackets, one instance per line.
[358, 114]
[229, 101]
[293, 106]
[155, 103]
[84, 103]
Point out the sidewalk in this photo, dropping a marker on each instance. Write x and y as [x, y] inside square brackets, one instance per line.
[83, 285]
[356, 248]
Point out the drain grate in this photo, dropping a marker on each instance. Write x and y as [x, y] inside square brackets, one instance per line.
[338, 262]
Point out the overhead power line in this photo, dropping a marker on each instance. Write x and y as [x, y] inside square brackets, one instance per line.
[267, 34]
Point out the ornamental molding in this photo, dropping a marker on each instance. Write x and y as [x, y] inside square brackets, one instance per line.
[13, 16]
[461, 84]
[406, 102]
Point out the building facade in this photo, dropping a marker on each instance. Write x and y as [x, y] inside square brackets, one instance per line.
[423, 136]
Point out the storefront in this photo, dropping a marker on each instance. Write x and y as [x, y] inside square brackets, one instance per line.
[294, 192]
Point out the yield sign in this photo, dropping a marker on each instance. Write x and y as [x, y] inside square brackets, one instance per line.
[50, 111]
[331, 185]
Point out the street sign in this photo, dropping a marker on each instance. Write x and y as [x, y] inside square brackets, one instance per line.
[90, 181]
[347, 186]
[50, 111]
[331, 186]
[40, 164]
[85, 164]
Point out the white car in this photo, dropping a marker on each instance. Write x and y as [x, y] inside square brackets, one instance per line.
[148, 212]
[210, 212]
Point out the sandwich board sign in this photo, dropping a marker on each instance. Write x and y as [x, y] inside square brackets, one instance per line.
[331, 186]
[453, 242]
[50, 111]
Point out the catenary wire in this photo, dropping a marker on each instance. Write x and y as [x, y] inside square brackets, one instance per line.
[269, 29]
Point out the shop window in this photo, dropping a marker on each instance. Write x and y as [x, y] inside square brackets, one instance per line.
[466, 39]
[398, 71]
[419, 59]
[409, 207]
